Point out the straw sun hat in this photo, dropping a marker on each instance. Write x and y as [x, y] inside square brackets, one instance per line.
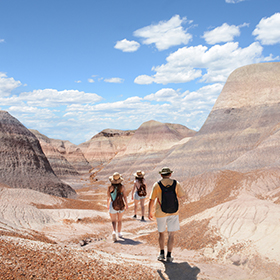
[139, 174]
[116, 178]
[165, 171]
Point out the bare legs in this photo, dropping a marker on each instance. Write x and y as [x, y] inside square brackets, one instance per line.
[117, 221]
[170, 241]
[142, 204]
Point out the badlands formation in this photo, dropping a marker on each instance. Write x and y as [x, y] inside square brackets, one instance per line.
[230, 217]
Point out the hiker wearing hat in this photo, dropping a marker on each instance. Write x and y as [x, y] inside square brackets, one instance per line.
[139, 193]
[116, 203]
[166, 193]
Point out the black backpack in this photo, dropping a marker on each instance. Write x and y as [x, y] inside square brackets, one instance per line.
[169, 201]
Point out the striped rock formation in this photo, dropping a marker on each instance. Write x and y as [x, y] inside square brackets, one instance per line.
[149, 145]
[65, 158]
[241, 131]
[22, 161]
[104, 146]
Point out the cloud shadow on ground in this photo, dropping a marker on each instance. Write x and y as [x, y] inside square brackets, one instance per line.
[179, 271]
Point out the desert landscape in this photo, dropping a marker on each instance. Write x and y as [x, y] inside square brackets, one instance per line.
[54, 221]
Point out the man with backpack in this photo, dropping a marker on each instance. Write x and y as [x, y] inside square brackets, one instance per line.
[166, 193]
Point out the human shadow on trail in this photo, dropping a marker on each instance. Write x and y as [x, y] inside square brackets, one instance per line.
[179, 271]
[128, 241]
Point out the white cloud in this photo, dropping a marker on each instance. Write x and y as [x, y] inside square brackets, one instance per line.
[7, 85]
[78, 82]
[54, 98]
[223, 33]
[127, 46]
[144, 80]
[234, 1]
[90, 80]
[114, 80]
[268, 30]
[2, 40]
[165, 34]
[60, 114]
[163, 95]
[187, 63]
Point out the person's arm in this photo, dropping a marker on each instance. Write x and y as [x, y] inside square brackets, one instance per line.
[125, 197]
[108, 197]
[150, 207]
[132, 193]
[179, 191]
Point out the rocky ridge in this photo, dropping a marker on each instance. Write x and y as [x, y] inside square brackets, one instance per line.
[23, 163]
[149, 145]
[65, 158]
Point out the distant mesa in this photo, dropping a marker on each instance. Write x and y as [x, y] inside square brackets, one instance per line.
[23, 163]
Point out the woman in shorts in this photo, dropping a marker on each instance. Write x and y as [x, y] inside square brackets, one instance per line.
[116, 188]
[138, 194]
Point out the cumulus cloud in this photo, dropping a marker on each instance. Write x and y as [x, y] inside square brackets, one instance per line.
[221, 34]
[233, 1]
[53, 97]
[268, 31]
[165, 34]
[60, 114]
[166, 105]
[7, 85]
[188, 63]
[114, 80]
[163, 95]
[127, 46]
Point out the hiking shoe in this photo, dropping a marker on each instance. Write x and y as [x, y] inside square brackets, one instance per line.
[120, 235]
[142, 219]
[134, 217]
[169, 259]
[114, 236]
[161, 257]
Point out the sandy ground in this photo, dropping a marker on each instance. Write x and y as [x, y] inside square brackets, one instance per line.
[71, 239]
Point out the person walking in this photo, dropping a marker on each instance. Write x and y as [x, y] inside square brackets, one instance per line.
[139, 193]
[116, 203]
[165, 192]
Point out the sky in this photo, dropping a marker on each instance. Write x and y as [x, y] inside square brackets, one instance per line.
[72, 68]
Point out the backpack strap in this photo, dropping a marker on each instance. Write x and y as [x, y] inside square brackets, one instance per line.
[173, 184]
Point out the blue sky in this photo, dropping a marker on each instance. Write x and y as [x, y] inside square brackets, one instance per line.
[72, 68]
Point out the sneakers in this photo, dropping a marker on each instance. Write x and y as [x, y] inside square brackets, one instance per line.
[142, 219]
[120, 235]
[169, 259]
[114, 236]
[134, 217]
[161, 257]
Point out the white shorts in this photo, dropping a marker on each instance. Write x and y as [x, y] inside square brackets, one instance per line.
[172, 223]
[137, 197]
[113, 211]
